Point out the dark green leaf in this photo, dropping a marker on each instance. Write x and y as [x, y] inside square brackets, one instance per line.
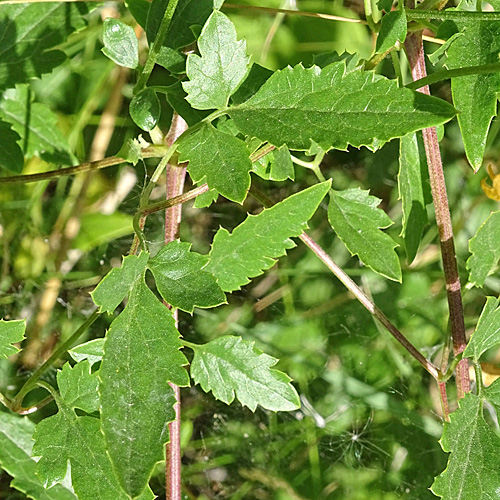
[223, 65]
[10, 333]
[355, 218]
[141, 357]
[176, 97]
[334, 109]
[11, 156]
[181, 279]
[145, 109]
[255, 244]
[120, 43]
[115, 286]
[29, 32]
[487, 333]
[392, 30]
[475, 96]
[414, 191]
[485, 250]
[139, 9]
[36, 125]
[230, 365]
[473, 468]
[91, 351]
[15, 458]
[257, 76]
[219, 159]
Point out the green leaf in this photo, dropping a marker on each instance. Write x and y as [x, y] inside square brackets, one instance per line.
[206, 199]
[276, 165]
[223, 65]
[492, 394]
[120, 43]
[91, 351]
[15, 458]
[29, 32]
[145, 109]
[475, 96]
[11, 156]
[66, 437]
[487, 333]
[335, 109]
[181, 279]
[139, 9]
[36, 124]
[230, 366]
[97, 228]
[257, 76]
[473, 467]
[176, 97]
[115, 286]
[392, 29]
[485, 250]
[355, 218]
[255, 244]
[219, 159]
[414, 191]
[141, 357]
[10, 333]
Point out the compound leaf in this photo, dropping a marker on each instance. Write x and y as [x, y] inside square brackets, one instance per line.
[487, 333]
[223, 65]
[230, 366]
[141, 356]
[355, 218]
[485, 250]
[120, 43]
[115, 286]
[255, 244]
[475, 96]
[28, 33]
[36, 125]
[414, 191]
[10, 333]
[66, 437]
[473, 467]
[181, 279]
[335, 108]
[15, 458]
[220, 159]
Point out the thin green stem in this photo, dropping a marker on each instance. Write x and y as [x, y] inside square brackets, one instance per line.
[444, 377]
[479, 379]
[154, 50]
[32, 381]
[453, 15]
[453, 73]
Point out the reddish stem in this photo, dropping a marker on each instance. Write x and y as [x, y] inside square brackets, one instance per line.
[415, 53]
[175, 186]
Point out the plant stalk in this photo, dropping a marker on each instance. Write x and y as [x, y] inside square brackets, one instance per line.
[175, 186]
[415, 53]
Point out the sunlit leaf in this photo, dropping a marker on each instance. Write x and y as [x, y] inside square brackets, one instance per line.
[91, 351]
[120, 43]
[230, 366]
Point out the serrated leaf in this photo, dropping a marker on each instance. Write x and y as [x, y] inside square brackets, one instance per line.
[141, 357]
[487, 333]
[176, 97]
[485, 250]
[10, 333]
[355, 218]
[91, 351]
[257, 76]
[181, 279]
[219, 159]
[145, 109]
[230, 366]
[414, 191]
[334, 109]
[120, 43]
[475, 96]
[66, 437]
[223, 64]
[11, 156]
[260, 239]
[473, 469]
[392, 29]
[36, 125]
[29, 32]
[276, 165]
[115, 286]
[15, 458]
[206, 199]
